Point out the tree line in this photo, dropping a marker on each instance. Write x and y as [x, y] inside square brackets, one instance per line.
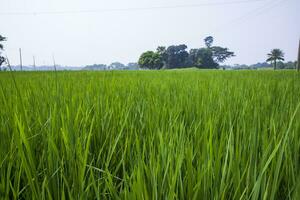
[112, 66]
[259, 65]
[177, 56]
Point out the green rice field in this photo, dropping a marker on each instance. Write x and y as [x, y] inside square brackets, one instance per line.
[174, 134]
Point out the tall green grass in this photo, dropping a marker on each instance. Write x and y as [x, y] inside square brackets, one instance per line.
[150, 135]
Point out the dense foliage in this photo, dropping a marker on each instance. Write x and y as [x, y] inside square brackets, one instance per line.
[180, 134]
[150, 60]
[177, 56]
[2, 59]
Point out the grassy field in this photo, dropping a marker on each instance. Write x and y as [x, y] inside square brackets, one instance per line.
[150, 135]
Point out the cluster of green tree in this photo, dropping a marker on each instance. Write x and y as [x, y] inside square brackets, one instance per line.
[275, 59]
[177, 56]
[286, 65]
[112, 66]
[280, 65]
[2, 59]
[276, 56]
[95, 67]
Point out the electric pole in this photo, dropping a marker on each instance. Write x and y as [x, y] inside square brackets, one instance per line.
[298, 62]
[20, 51]
[33, 62]
[54, 62]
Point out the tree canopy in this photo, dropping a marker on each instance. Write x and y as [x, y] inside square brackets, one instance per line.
[150, 60]
[177, 56]
[208, 41]
[202, 58]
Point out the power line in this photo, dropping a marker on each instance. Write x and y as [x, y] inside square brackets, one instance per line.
[130, 9]
[253, 13]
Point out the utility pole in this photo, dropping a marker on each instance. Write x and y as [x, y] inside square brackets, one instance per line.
[33, 62]
[298, 63]
[20, 51]
[54, 62]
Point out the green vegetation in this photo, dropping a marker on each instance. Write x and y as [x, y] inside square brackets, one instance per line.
[151, 60]
[177, 56]
[276, 54]
[2, 59]
[174, 134]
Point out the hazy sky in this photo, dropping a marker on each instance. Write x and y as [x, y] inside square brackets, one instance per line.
[80, 32]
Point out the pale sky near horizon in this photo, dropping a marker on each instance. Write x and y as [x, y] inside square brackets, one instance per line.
[82, 32]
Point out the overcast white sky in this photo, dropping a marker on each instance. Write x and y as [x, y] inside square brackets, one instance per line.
[250, 29]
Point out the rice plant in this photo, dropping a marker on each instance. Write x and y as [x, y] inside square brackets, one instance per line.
[150, 135]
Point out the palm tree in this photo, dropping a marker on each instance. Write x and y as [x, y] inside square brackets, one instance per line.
[276, 54]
